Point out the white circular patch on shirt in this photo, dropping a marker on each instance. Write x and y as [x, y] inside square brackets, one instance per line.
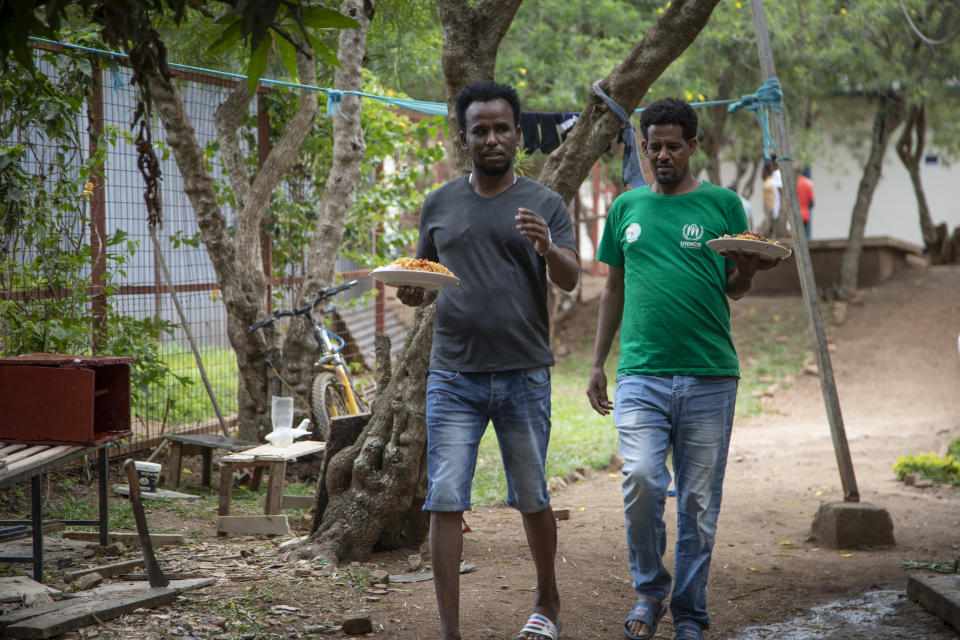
[633, 232]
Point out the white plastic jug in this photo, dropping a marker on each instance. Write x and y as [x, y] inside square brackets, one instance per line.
[281, 413]
[285, 437]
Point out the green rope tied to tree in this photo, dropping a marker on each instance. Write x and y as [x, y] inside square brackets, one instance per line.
[768, 96]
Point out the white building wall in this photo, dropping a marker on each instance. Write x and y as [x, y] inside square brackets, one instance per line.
[836, 173]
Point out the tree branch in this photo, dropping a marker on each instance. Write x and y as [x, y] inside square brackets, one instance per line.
[627, 84]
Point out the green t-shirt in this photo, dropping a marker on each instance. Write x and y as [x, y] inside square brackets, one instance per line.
[676, 320]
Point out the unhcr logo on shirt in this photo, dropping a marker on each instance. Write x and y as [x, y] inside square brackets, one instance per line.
[691, 236]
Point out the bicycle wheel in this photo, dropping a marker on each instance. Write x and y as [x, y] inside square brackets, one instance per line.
[328, 400]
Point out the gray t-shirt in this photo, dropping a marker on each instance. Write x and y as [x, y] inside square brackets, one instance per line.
[497, 318]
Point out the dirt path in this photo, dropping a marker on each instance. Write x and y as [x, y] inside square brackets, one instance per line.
[898, 377]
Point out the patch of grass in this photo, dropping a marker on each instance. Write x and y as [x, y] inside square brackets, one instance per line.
[77, 506]
[190, 404]
[771, 348]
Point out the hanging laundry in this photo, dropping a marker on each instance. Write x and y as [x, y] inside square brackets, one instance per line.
[530, 129]
[549, 136]
[565, 122]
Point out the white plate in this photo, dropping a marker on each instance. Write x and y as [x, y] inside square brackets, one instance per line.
[759, 247]
[401, 278]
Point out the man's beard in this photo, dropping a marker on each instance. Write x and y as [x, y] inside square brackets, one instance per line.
[493, 169]
[670, 178]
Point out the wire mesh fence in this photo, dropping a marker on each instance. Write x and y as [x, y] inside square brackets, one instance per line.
[122, 272]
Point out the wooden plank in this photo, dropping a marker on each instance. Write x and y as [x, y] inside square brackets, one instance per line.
[226, 490]
[106, 570]
[41, 457]
[212, 441]
[26, 453]
[80, 613]
[298, 502]
[175, 463]
[16, 588]
[7, 449]
[128, 539]
[135, 586]
[124, 490]
[254, 525]
[9, 477]
[273, 453]
[272, 502]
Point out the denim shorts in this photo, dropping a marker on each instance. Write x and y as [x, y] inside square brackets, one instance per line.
[459, 407]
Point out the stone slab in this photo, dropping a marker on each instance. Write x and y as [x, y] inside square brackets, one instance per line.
[938, 594]
[852, 525]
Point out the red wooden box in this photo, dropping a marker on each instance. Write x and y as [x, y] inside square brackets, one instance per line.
[48, 398]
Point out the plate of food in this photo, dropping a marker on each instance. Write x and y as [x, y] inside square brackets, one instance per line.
[415, 272]
[750, 243]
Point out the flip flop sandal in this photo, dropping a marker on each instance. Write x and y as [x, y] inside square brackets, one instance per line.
[541, 625]
[687, 630]
[647, 611]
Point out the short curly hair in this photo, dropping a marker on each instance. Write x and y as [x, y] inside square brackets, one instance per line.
[486, 92]
[670, 111]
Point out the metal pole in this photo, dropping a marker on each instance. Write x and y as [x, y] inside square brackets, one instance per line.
[186, 330]
[103, 468]
[801, 254]
[36, 499]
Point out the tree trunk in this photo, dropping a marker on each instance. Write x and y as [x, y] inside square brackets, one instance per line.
[236, 261]
[568, 166]
[376, 487]
[911, 154]
[471, 37]
[712, 139]
[889, 114]
[299, 348]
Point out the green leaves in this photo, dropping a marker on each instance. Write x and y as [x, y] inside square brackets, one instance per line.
[271, 26]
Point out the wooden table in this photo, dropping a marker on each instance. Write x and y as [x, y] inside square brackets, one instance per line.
[202, 444]
[19, 462]
[274, 459]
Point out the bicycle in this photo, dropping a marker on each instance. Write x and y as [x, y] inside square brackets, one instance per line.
[332, 393]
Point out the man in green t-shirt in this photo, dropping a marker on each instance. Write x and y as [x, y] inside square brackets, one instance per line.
[678, 372]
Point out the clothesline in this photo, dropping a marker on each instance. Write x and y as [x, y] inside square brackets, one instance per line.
[540, 129]
[334, 96]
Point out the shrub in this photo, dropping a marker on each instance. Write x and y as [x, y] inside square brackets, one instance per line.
[943, 469]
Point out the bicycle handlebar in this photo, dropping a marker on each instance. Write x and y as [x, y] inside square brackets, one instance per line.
[281, 313]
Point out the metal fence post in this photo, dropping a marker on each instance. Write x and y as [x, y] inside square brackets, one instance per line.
[98, 214]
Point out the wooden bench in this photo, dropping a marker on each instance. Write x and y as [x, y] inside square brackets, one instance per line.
[203, 445]
[274, 459]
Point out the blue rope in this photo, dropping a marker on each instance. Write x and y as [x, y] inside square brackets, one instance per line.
[334, 98]
[630, 170]
[768, 97]
[430, 108]
[421, 106]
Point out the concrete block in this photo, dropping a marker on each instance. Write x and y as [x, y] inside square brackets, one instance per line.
[852, 525]
[938, 594]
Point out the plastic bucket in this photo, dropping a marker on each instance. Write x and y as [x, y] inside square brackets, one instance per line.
[148, 474]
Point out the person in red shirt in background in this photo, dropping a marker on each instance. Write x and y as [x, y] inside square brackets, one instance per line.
[805, 196]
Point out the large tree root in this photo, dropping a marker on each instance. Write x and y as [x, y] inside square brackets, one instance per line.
[375, 488]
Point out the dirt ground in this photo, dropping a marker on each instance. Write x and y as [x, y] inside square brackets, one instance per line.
[898, 377]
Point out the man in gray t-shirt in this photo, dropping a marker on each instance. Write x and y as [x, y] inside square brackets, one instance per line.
[504, 236]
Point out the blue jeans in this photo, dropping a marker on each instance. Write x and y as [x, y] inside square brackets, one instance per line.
[459, 407]
[694, 416]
